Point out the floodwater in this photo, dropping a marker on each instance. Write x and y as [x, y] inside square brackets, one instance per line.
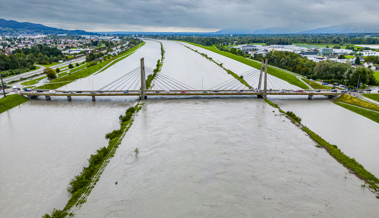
[151, 52]
[354, 134]
[43, 145]
[223, 158]
[206, 157]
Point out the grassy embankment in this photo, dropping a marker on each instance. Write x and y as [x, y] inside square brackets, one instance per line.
[158, 68]
[357, 102]
[11, 101]
[315, 85]
[376, 74]
[281, 74]
[334, 151]
[351, 103]
[220, 65]
[81, 185]
[56, 83]
[374, 97]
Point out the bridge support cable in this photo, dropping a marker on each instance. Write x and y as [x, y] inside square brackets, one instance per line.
[124, 82]
[167, 84]
[185, 86]
[119, 79]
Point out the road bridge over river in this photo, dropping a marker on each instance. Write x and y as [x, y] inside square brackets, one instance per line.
[136, 79]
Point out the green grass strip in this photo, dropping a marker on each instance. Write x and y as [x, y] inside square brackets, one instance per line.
[281, 74]
[11, 101]
[357, 102]
[334, 151]
[316, 85]
[374, 116]
[374, 97]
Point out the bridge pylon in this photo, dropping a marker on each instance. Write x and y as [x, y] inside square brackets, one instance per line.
[265, 82]
[143, 79]
[260, 75]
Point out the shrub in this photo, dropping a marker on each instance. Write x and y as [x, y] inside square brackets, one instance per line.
[293, 116]
[113, 134]
[70, 66]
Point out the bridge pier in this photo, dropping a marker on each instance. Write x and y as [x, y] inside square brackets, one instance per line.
[47, 97]
[310, 97]
[93, 98]
[68, 98]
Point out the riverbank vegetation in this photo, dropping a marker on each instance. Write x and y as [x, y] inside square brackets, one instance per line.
[158, 68]
[82, 184]
[357, 102]
[239, 78]
[335, 152]
[374, 97]
[11, 101]
[59, 82]
[281, 74]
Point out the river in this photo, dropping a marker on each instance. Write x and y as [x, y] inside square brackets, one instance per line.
[204, 157]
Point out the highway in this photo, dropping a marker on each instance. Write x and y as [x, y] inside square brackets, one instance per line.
[39, 71]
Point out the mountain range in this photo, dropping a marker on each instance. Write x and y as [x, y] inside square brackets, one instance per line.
[14, 27]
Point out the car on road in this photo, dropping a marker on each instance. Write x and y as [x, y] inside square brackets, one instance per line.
[343, 91]
[183, 92]
[334, 90]
[282, 90]
[215, 91]
[71, 92]
[92, 92]
[126, 91]
[318, 90]
[65, 92]
[360, 92]
[368, 90]
[52, 92]
[240, 91]
[39, 90]
[295, 90]
[156, 92]
[354, 90]
[167, 91]
[79, 92]
[205, 92]
[101, 92]
[27, 89]
[300, 90]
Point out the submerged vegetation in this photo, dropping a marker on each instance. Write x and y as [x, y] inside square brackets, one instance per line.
[335, 152]
[82, 184]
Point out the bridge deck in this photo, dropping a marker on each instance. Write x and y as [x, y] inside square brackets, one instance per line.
[178, 93]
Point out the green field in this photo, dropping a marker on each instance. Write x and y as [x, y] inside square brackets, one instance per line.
[374, 97]
[281, 74]
[11, 101]
[33, 81]
[376, 74]
[374, 116]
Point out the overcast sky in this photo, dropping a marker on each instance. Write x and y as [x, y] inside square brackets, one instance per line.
[189, 15]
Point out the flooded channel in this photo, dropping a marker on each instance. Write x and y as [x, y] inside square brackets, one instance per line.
[223, 158]
[354, 134]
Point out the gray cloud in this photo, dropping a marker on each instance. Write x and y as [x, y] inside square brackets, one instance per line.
[189, 15]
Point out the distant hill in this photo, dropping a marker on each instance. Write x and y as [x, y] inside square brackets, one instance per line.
[346, 28]
[14, 27]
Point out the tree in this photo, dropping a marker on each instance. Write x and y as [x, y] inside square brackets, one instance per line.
[357, 61]
[50, 73]
[70, 66]
[57, 70]
[77, 64]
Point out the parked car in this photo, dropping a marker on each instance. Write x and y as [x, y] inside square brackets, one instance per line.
[39, 90]
[79, 92]
[183, 92]
[52, 92]
[368, 90]
[318, 90]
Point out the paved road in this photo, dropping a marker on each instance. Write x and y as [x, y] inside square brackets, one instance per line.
[34, 72]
